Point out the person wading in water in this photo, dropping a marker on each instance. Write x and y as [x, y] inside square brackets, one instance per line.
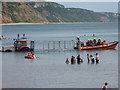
[67, 61]
[97, 58]
[88, 58]
[105, 86]
[72, 60]
[92, 59]
[78, 59]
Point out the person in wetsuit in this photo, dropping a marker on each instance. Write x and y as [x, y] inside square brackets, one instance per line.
[78, 59]
[72, 60]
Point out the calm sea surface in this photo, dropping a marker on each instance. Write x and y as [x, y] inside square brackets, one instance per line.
[50, 70]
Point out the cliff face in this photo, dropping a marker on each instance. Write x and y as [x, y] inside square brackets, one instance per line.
[45, 12]
[21, 12]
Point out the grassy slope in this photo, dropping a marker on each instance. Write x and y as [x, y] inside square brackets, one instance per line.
[50, 12]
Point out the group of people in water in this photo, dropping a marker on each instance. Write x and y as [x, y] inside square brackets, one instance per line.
[93, 42]
[92, 59]
[73, 60]
[79, 60]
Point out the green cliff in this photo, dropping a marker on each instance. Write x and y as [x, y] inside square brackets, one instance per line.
[49, 12]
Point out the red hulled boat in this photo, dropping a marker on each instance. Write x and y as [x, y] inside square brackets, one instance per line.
[106, 46]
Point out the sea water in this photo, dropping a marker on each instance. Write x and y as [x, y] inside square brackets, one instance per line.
[50, 70]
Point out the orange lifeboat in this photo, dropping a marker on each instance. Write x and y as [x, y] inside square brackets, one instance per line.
[30, 57]
[105, 46]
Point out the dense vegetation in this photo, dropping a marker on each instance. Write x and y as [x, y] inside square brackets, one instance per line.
[46, 12]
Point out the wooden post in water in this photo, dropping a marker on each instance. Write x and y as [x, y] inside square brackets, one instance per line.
[79, 46]
[59, 44]
[2, 49]
[32, 45]
[70, 44]
[54, 45]
[48, 45]
[43, 46]
[64, 44]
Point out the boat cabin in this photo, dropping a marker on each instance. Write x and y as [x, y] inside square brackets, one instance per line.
[21, 44]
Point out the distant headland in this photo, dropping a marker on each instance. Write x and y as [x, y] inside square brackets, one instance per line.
[50, 13]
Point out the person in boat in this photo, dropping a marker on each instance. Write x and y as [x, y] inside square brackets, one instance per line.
[78, 39]
[99, 42]
[72, 60]
[78, 42]
[94, 35]
[94, 42]
[33, 56]
[105, 86]
[23, 35]
[92, 58]
[104, 42]
[97, 58]
[77, 45]
[91, 42]
[88, 58]
[67, 61]
[2, 37]
[88, 43]
[18, 35]
[28, 54]
[82, 44]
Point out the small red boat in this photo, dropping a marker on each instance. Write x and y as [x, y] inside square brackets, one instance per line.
[106, 46]
[30, 57]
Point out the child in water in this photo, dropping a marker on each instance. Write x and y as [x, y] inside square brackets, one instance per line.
[67, 61]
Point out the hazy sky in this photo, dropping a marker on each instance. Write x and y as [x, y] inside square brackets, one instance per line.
[95, 6]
